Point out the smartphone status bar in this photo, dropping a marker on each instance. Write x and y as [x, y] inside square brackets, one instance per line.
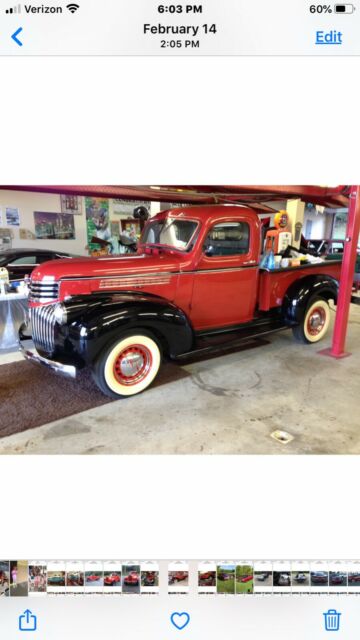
[207, 27]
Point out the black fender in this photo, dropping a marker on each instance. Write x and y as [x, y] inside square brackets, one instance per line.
[300, 292]
[94, 321]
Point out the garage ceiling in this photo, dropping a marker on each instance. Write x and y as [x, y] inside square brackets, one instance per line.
[256, 196]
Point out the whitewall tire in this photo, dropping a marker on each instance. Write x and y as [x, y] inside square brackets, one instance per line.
[128, 366]
[315, 323]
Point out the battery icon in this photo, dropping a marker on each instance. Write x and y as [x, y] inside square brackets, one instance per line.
[344, 8]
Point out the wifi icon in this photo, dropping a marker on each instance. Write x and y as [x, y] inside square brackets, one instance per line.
[73, 7]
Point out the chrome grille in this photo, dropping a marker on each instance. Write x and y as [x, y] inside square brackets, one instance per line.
[43, 291]
[42, 324]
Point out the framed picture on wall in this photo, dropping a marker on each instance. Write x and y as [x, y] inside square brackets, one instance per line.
[12, 216]
[71, 204]
[26, 234]
[131, 227]
[54, 226]
[6, 236]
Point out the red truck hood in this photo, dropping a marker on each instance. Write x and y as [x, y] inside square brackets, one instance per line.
[153, 273]
[79, 268]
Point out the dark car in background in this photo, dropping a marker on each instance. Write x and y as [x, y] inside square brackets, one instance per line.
[319, 577]
[337, 578]
[21, 262]
[224, 576]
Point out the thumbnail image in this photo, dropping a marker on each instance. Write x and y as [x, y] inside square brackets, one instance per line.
[207, 579]
[226, 578]
[354, 579]
[112, 578]
[149, 578]
[338, 579]
[4, 577]
[94, 579]
[244, 578]
[300, 578]
[37, 578]
[131, 578]
[176, 577]
[56, 579]
[282, 579]
[263, 578]
[19, 578]
[75, 579]
[319, 579]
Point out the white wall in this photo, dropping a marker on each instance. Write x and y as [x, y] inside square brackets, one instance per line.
[28, 202]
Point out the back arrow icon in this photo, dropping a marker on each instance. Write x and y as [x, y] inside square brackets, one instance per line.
[15, 38]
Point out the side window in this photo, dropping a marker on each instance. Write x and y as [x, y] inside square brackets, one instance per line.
[228, 239]
[26, 260]
[44, 257]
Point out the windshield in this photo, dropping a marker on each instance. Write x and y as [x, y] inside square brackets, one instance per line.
[175, 233]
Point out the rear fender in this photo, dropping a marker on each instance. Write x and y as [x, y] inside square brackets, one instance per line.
[300, 292]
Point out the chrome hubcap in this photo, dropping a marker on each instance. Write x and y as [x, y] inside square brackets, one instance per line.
[316, 321]
[133, 364]
[130, 365]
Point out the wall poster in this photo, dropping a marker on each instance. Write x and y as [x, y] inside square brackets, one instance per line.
[71, 204]
[54, 226]
[97, 221]
[12, 217]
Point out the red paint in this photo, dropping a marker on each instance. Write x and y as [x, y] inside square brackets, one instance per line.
[132, 578]
[274, 284]
[347, 276]
[216, 291]
[112, 579]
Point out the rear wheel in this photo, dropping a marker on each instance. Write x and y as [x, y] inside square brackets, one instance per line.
[315, 323]
[128, 366]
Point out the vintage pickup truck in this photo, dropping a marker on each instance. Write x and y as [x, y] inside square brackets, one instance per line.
[194, 284]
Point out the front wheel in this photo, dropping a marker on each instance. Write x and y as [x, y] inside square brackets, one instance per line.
[128, 366]
[315, 322]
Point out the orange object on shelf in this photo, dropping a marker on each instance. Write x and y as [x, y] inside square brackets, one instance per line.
[281, 220]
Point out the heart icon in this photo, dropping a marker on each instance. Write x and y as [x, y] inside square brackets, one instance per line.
[180, 620]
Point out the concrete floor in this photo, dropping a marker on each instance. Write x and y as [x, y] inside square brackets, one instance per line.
[229, 404]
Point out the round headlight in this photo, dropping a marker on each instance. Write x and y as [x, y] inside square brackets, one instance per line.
[60, 313]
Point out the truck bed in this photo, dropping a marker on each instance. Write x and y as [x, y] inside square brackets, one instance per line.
[274, 283]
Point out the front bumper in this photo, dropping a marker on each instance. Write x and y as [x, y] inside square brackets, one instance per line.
[58, 367]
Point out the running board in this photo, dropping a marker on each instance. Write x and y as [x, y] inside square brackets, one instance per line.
[214, 343]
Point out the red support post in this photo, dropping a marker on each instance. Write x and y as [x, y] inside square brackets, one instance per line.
[346, 278]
